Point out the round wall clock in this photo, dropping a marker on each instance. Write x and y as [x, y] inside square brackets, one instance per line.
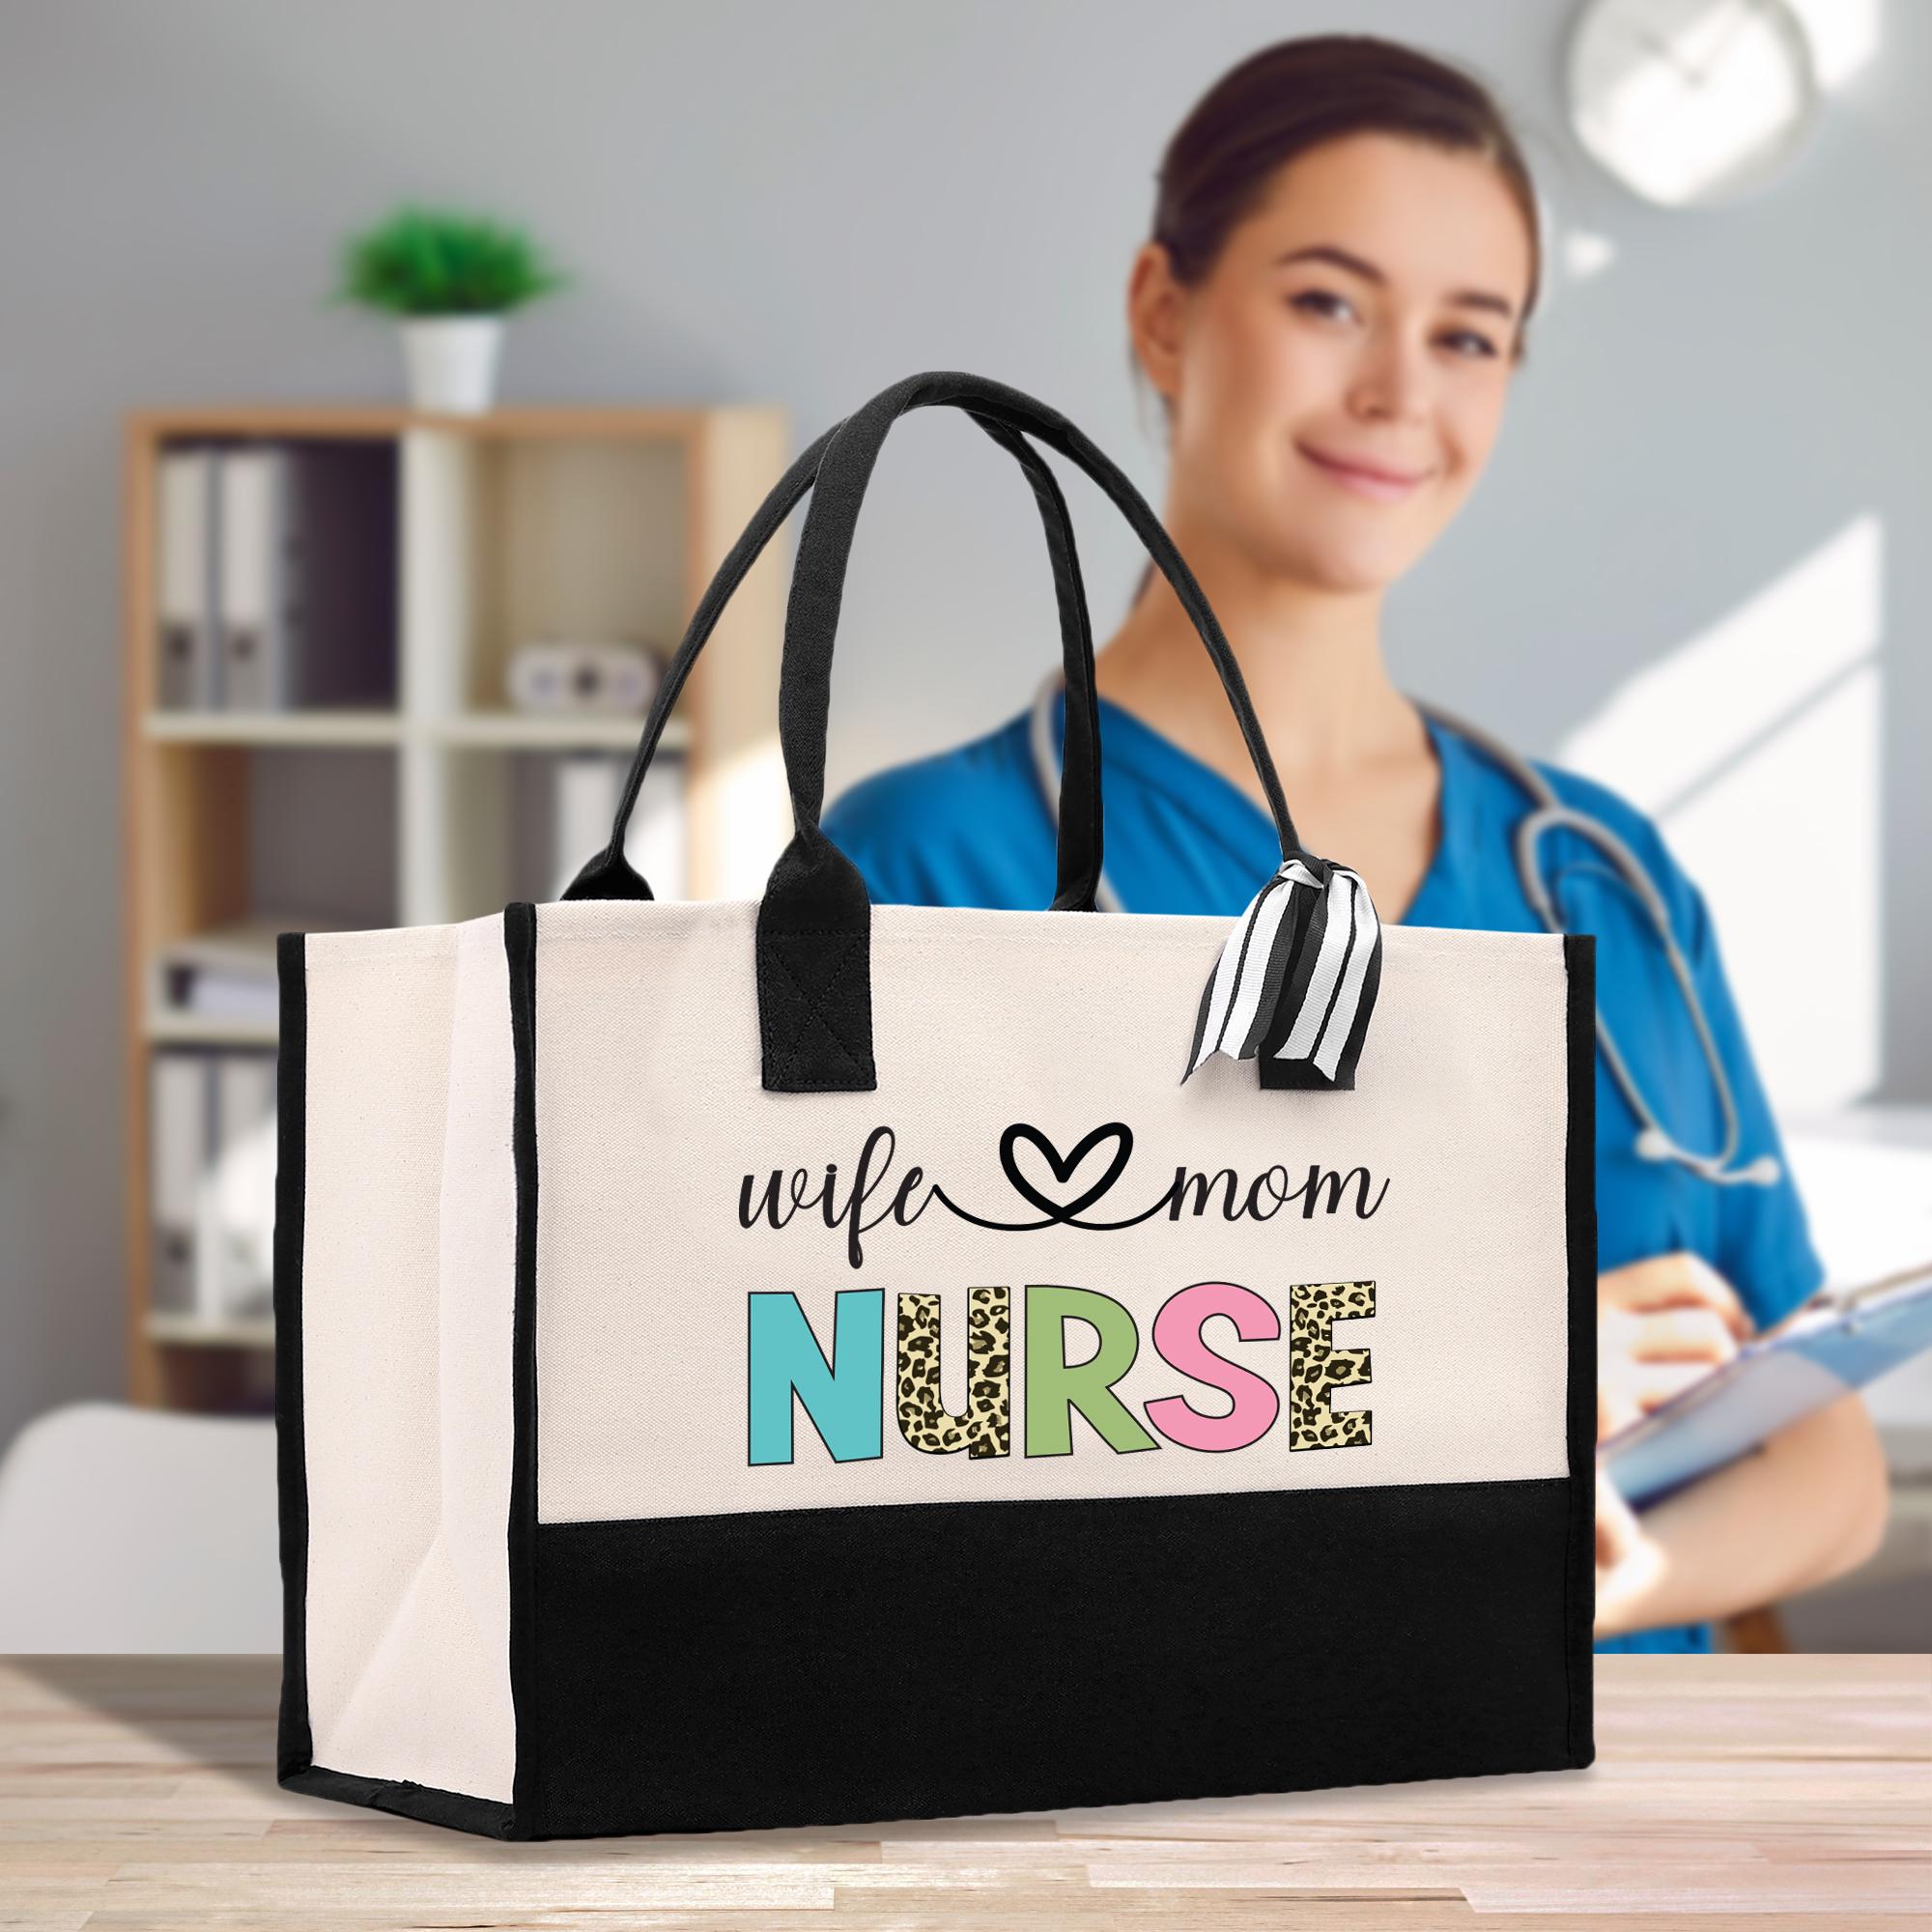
[1693, 102]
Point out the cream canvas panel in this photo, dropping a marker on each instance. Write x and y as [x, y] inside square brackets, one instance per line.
[408, 1300]
[650, 1116]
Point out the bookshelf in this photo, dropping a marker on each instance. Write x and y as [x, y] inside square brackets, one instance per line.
[517, 523]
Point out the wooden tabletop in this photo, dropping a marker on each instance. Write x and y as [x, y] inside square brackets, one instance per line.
[1729, 1790]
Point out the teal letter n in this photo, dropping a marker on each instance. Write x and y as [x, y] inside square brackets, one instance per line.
[845, 1403]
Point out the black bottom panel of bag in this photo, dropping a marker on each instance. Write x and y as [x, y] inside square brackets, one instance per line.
[917, 1661]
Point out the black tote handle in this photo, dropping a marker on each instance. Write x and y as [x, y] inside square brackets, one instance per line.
[608, 874]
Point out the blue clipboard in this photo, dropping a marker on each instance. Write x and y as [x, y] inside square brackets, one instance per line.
[1838, 1340]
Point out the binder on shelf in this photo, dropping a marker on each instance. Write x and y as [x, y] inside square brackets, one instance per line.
[307, 575]
[586, 786]
[188, 667]
[238, 1238]
[181, 1098]
[211, 1137]
[259, 568]
[227, 973]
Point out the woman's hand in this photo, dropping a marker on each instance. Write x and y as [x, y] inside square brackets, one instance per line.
[1630, 1563]
[1662, 1325]
[1807, 1504]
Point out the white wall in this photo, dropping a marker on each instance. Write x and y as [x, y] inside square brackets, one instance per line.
[803, 204]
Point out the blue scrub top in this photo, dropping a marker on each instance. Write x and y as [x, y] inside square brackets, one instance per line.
[970, 827]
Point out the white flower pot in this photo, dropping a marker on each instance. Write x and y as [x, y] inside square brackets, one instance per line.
[452, 361]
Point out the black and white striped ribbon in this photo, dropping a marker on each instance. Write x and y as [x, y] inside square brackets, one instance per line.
[1298, 976]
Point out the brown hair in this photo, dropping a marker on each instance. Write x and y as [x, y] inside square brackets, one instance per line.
[1295, 95]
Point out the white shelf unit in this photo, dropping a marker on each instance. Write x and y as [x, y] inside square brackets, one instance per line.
[528, 522]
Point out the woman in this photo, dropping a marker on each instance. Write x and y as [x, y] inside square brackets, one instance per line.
[1331, 306]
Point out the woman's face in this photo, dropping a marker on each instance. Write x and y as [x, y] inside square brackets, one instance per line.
[1392, 350]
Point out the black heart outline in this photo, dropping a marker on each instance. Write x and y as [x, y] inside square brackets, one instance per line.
[1065, 1170]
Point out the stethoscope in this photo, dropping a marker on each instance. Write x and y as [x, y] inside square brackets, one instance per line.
[1652, 1142]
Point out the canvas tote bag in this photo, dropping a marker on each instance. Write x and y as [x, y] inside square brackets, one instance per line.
[802, 1361]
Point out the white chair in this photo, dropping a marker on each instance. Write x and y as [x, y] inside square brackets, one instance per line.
[136, 1529]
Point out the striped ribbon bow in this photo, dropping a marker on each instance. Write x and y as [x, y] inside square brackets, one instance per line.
[1296, 979]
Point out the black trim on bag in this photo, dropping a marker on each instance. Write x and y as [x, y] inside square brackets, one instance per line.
[520, 942]
[294, 1746]
[797, 1668]
[296, 1767]
[1580, 1194]
[458, 1809]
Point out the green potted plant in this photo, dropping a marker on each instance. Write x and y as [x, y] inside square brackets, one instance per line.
[450, 280]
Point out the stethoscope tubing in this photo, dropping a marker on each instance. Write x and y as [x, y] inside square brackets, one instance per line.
[1548, 813]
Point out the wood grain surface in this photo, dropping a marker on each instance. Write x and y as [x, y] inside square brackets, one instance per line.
[1729, 1791]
